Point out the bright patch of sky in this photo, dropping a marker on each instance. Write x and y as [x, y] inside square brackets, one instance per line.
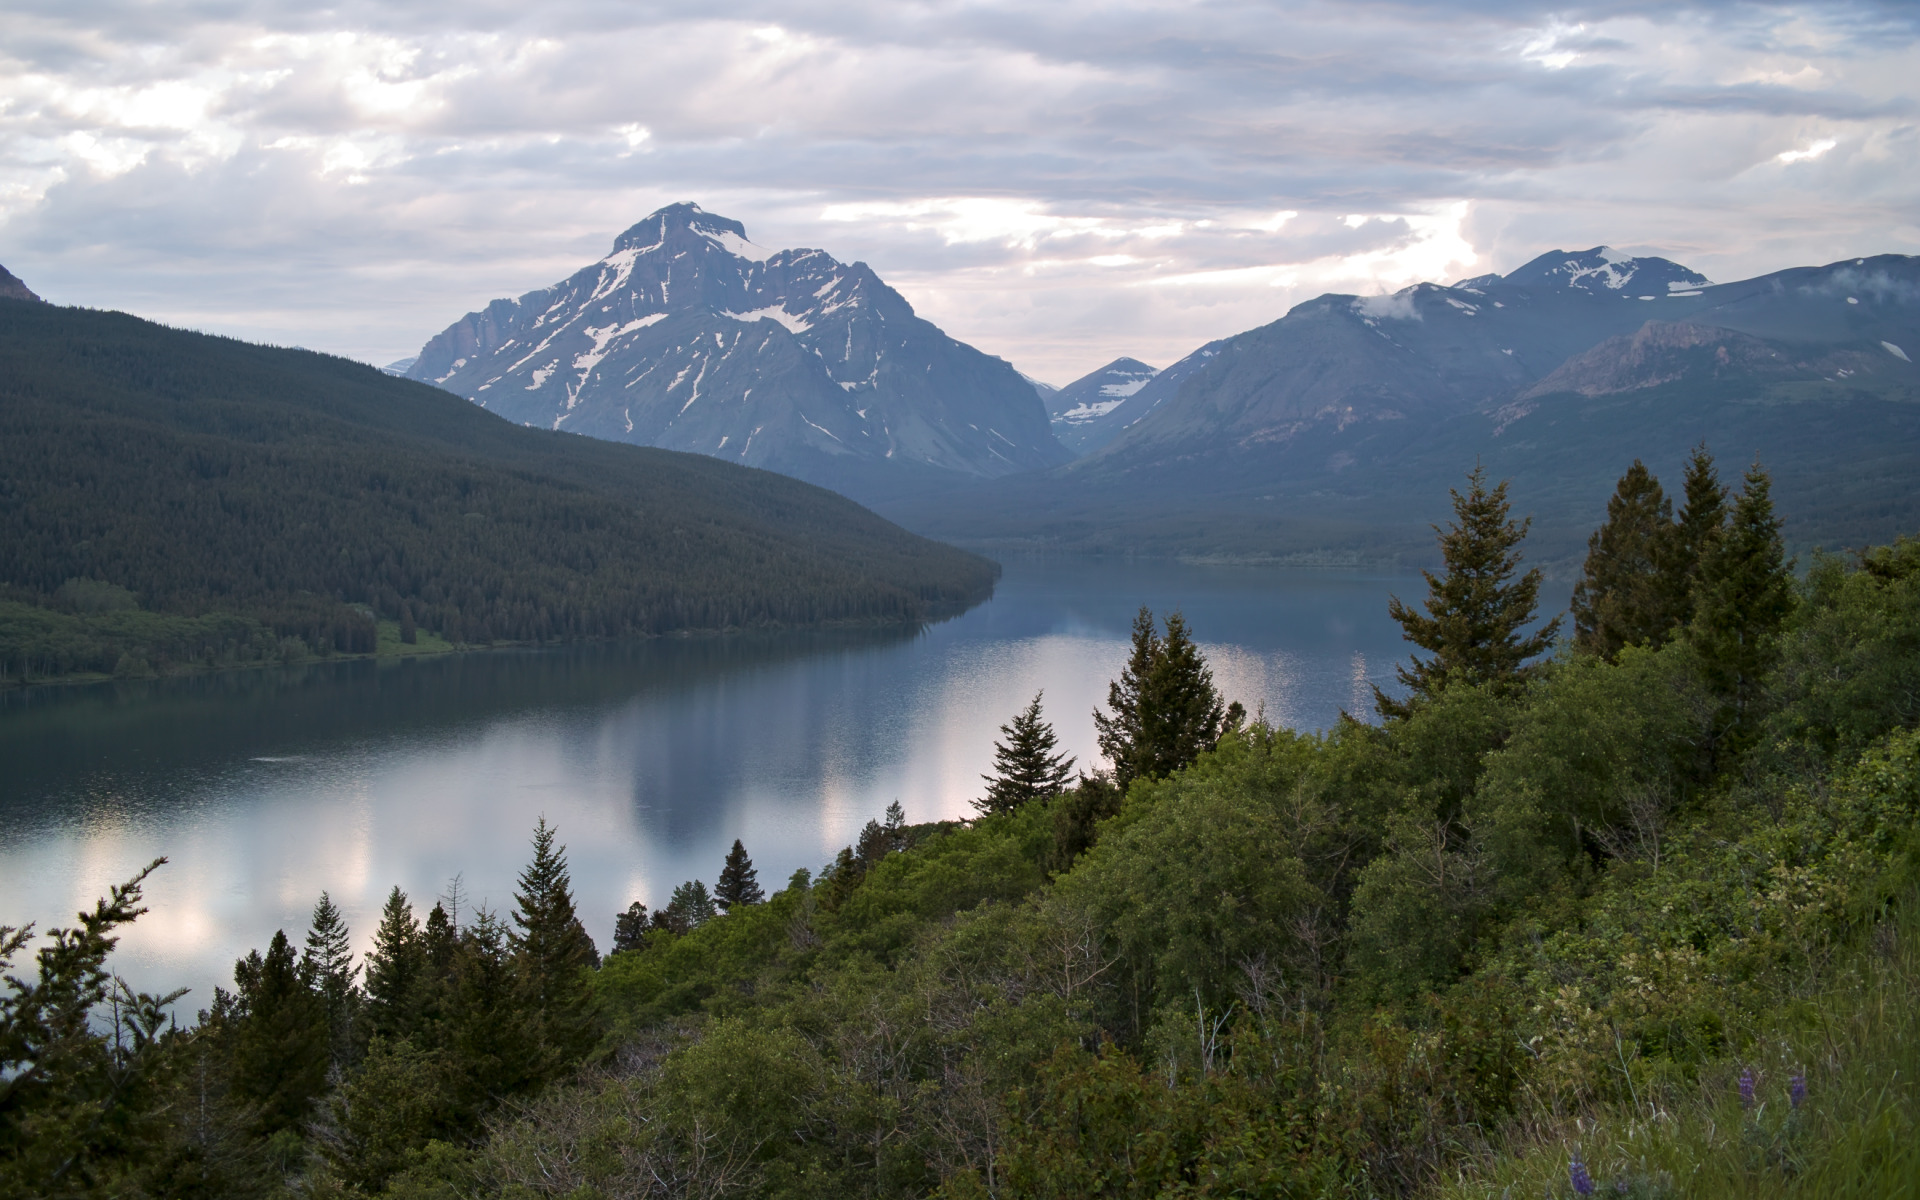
[1059, 185]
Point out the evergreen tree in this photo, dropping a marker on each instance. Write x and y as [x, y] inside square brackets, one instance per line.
[1025, 764]
[1625, 597]
[494, 1036]
[1742, 596]
[1166, 711]
[689, 907]
[552, 952]
[1703, 515]
[739, 884]
[280, 1051]
[1476, 612]
[395, 968]
[630, 928]
[328, 969]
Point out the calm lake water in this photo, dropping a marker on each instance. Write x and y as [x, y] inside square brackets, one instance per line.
[263, 788]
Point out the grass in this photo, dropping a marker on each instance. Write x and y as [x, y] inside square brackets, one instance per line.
[389, 645]
[1857, 1042]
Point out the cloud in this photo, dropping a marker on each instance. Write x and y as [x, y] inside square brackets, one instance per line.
[1058, 184]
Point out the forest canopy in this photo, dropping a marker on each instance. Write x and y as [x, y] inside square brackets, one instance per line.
[172, 498]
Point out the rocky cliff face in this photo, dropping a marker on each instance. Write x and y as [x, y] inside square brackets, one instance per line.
[12, 289]
[690, 337]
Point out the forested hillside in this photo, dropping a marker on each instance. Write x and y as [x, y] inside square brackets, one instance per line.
[169, 498]
[1637, 918]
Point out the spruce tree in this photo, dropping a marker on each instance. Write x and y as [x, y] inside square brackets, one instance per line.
[394, 970]
[1166, 711]
[280, 1051]
[493, 1034]
[690, 906]
[1703, 516]
[1477, 612]
[1742, 596]
[327, 967]
[552, 952]
[739, 884]
[1623, 597]
[1026, 767]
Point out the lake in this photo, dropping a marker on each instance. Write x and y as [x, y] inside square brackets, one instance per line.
[263, 788]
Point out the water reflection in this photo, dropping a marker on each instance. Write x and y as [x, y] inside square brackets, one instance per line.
[263, 788]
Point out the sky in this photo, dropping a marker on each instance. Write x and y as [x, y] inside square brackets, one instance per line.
[1058, 184]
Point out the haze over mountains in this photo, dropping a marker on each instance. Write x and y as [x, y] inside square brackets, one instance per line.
[1334, 432]
[688, 336]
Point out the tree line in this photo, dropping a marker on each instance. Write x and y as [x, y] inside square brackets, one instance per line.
[279, 494]
[1562, 883]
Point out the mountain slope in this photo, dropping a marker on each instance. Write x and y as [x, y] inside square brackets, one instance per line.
[1336, 430]
[205, 475]
[688, 336]
[1082, 412]
[12, 289]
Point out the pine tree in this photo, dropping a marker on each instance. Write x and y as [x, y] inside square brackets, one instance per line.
[1025, 765]
[394, 970]
[1475, 613]
[551, 949]
[280, 1051]
[630, 928]
[328, 969]
[1166, 711]
[1703, 516]
[494, 1035]
[1623, 597]
[1742, 596]
[739, 884]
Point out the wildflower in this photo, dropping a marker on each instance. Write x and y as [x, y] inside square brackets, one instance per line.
[1746, 1088]
[1578, 1177]
[1797, 1090]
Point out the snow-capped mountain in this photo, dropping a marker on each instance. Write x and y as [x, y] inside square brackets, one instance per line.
[689, 336]
[1081, 412]
[1344, 423]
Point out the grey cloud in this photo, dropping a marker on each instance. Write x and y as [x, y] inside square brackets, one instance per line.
[347, 212]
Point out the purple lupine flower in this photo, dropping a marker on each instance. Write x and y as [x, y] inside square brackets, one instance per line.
[1746, 1088]
[1578, 1177]
[1620, 1185]
[1797, 1090]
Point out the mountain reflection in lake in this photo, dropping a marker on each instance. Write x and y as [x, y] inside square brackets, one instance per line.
[263, 788]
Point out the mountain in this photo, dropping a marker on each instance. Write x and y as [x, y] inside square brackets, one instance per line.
[690, 337]
[1082, 411]
[12, 289]
[1336, 431]
[201, 477]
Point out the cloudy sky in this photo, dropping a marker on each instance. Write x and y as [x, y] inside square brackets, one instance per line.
[1057, 183]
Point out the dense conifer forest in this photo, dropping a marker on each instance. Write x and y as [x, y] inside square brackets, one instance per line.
[170, 499]
[1634, 917]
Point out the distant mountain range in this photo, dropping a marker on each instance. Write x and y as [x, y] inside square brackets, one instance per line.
[1334, 432]
[690, 337]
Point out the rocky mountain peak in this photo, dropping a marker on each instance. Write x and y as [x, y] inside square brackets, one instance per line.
[689, 336]
[12, 289]
[1606, 271]
[687, 226]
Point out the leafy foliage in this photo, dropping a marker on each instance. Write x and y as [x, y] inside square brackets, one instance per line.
[1544, 932]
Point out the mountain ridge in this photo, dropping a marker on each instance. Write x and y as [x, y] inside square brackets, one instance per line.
[806, 365]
